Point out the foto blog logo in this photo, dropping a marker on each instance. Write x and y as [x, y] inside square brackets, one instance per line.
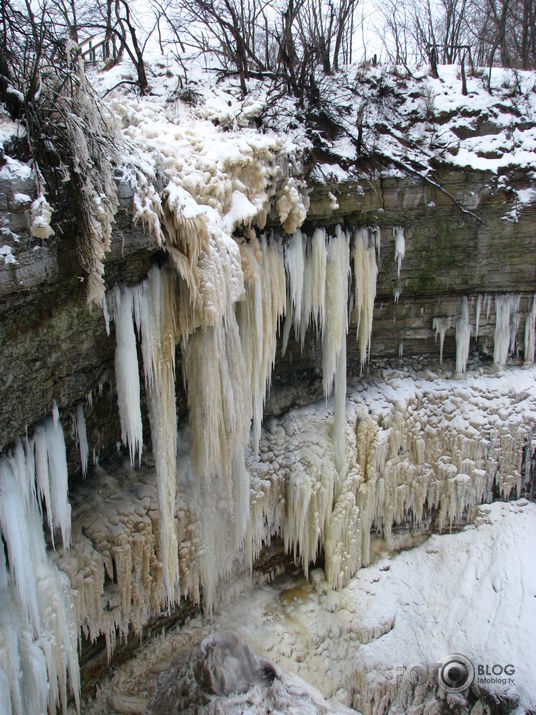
[456, 673]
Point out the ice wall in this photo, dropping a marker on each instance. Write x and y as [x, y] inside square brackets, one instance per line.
[38, 647]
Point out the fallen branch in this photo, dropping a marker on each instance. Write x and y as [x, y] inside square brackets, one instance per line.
[435, 184]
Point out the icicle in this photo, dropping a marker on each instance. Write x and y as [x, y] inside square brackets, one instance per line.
[295, 265]
[441, 325]
[488, 299]
[463, 336]
[335, 316]
[126, 374]
[506, 322]
[40, 637]
[106, 314]
[400, 246]
[339, 410]
[314, 294]
[259, 315]
[58, 477]
[478, 311]
[334, 334]
[82, 438]
[365, 275]
[155, 316]
[220, 404]
[13, 524]
[530, 321]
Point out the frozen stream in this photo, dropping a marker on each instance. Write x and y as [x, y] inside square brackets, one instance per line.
[375, 644]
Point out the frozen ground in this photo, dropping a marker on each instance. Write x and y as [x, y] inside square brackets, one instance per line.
[375, 644]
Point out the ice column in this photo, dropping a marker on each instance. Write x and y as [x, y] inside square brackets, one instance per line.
[530, 321]
[365, 244]
[155, 313]
[400, 246]
[126, 373]
[334, 334]
[38, 653]
[463, 336]
[441, 325]
[506, 321]
[259, 315]
[81, 434]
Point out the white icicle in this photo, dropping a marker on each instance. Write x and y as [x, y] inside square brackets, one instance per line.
[365, 275]
[477, 317]
[295, 266]
[335, 324]
[82, 438]
[506, 307]
[400, 246]
[13, 525]
[339, 410]
[58, 477]
[259, 315]
[334, 336]
[441, 325]
[126, 374]
[530, 322]
[155, 315]
[463, 336]
[314, 289]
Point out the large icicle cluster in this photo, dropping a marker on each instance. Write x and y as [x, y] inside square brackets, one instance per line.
[38, 654]
[503, 335]
[418, 449]
[206, 514]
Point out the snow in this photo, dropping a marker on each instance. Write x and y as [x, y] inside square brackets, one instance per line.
[21, 200]
[40, 216]
[6, 252]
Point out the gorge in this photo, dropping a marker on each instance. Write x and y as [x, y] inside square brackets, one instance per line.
[259, 354]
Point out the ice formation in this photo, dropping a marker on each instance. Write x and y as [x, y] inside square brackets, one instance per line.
[40, 215]
[259, 314]
[38, 654]
[126, 373]
[418, 449]
[334, 333]
[365, 245]
[463, 336]
[477, 314]
[506, 323]
[441, 325]
[155, 312]
[400, 246]
[530, 323]
[321, 477]
[81, 435]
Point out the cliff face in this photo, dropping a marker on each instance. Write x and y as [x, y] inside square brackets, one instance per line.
[55, 344]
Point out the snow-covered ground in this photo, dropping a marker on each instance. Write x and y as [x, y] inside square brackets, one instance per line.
[376, 644]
